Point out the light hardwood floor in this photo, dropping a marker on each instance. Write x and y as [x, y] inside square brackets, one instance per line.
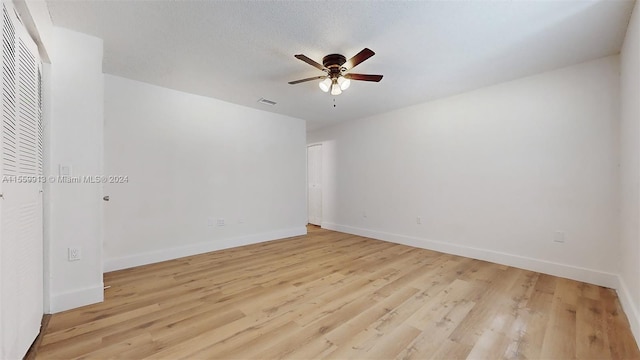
[338, 296]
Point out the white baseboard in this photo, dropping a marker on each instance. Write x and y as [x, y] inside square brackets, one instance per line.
[76, 298]
[630, 308]
[542, 266]
[198, 248]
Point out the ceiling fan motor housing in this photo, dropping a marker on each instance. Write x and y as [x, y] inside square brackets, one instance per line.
[334, 63]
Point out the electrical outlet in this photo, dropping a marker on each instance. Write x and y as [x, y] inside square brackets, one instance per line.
[559, 236]
[74, 254]
[220, 222]
[418, 220]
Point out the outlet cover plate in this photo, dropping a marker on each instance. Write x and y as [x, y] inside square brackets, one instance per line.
[74, 254]
[559, 236]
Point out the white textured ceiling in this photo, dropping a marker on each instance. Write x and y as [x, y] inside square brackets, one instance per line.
[240, 51]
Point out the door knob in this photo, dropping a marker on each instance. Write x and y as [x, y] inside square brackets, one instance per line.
[105, 198]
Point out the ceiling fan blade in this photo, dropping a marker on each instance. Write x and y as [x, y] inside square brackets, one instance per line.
[363, 77]
[309, 61]
[358, 58]
[307, 79]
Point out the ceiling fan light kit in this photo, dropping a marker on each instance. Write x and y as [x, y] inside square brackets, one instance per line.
[335, 88]
[325, 84]
[336, 67]
[344, 83]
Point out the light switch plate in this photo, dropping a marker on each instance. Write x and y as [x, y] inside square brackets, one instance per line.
[64, 170]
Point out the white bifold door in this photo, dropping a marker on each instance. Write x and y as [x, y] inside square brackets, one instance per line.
[314, 179]
[21, 136]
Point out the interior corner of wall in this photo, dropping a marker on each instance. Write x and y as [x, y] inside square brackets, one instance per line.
[630, 307]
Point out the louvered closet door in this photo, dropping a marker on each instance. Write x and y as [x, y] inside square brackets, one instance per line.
[21, 254]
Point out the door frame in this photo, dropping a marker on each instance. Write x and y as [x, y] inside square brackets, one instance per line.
[320, 145]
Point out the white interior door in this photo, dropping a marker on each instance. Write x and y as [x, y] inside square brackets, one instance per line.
[21, 136]
[314, 178]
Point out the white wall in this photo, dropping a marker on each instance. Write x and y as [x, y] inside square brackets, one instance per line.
[630, 173]
[191, 160]
[492, 173]
[73, 212]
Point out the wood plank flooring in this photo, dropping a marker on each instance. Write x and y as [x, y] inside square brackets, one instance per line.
[338, 296]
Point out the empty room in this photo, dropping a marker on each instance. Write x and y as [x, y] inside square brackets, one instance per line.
[320, 179]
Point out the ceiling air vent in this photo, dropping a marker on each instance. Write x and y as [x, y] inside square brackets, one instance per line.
[266, 102]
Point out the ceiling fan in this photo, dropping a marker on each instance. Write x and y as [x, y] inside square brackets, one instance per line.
[336, 66]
